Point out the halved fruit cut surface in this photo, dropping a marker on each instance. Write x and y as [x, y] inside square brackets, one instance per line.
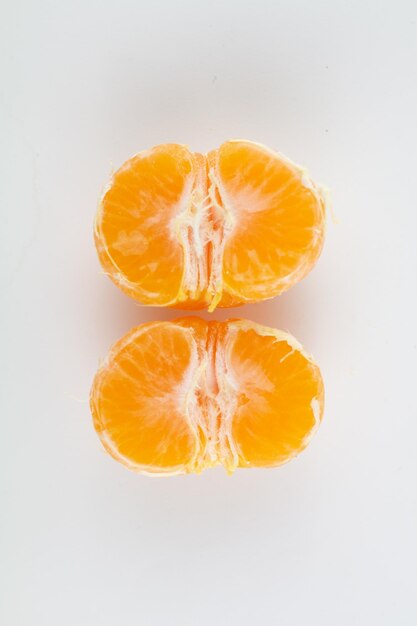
[182, 396]
[240, 224]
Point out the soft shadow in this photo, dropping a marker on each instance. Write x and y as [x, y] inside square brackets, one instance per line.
[175, 513]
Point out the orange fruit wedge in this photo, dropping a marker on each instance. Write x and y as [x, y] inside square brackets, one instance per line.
[179, 397]
[182, 229]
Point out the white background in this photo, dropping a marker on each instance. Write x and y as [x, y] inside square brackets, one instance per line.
[328, 539]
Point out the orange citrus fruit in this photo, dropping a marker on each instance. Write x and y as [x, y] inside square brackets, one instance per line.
[179, 397]
[240, 224]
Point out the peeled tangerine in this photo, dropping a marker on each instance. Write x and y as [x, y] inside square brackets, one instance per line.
[178, 228]
[182, 396]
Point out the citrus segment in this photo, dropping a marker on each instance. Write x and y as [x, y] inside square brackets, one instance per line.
[135, 225]
[139, 398]
[278, 217]
[280, 398]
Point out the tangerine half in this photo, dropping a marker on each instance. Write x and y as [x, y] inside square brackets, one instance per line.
[240, 224]
[179, 397]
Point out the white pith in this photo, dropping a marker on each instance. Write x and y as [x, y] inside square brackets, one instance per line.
[210, 405]
[202, 227]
